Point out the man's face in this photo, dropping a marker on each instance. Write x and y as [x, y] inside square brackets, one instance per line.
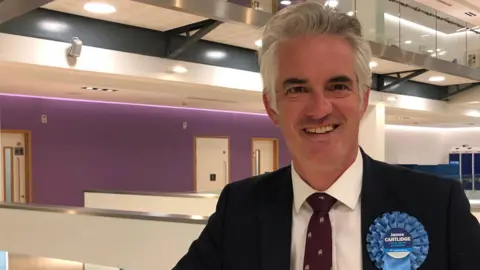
[318, 105]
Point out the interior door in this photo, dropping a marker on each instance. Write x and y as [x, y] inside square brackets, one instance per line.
[212, 163]
[264, 155]
[14, 171]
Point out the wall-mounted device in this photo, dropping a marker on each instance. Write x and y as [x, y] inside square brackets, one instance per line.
[76, 47]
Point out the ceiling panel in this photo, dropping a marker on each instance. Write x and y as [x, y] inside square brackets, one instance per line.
[67, 84]
[130, 13]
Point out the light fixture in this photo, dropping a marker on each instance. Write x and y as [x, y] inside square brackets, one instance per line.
[437, 79]
[216, 54]
[285, 2]
[53, 26]
[99, 89]
[331, 3]
[99, 7]
[430, 51]
[373, 64]
[76, 48]
[179, 69]
[391, 98]
[259, 43]
[350, 13]
[408, 42]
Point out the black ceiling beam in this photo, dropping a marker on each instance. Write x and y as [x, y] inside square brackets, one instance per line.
[459, 89]
[10, 9]
[399, 73]
[413, 74]
[203, 27]
[190, 27]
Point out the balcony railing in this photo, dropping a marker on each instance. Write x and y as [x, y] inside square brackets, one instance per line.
[405, 24]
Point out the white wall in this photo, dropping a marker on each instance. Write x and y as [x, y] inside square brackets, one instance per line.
[122, 242]
[203, 205]
[425, 145]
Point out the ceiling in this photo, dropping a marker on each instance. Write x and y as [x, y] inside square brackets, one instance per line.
[457, 9]
[40, 81]
[23, 79]
[240, 35]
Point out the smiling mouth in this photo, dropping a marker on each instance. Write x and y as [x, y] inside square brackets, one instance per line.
[321, 130]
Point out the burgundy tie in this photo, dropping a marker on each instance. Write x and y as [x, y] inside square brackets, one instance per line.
[318, 245]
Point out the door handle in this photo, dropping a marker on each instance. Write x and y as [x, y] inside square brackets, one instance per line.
[225, 170]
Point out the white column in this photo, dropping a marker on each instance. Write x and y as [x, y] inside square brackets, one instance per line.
[372, 131]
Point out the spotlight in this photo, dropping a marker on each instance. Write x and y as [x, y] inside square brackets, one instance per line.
[101, 8]
[437, 79]
[76, 48]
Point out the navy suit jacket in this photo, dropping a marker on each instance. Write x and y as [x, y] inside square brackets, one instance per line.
[251, 228]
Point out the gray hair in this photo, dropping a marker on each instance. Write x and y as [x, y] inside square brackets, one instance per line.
[311, 18]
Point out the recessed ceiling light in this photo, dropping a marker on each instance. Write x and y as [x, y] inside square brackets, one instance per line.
[437, 79]
[408, 42]
[216, 54]
[391, 98]
[259, 43]
[99, 7]
[99, 89]
[285, 2]
[430, 51]
[331, 3]
[373, 64]
[179, 69]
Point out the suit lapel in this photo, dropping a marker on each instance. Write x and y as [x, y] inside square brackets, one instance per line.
[373, 202]
[275, 219]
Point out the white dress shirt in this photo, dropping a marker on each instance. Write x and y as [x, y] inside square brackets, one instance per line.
[345, 217]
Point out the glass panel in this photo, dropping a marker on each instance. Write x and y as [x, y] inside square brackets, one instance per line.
[452, 39]
[417, 29]
[473, 47]
[8, 174]
[346, 6]
[380, 21]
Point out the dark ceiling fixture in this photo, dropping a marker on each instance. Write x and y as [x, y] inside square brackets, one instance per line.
[447, 20]
[99, 89]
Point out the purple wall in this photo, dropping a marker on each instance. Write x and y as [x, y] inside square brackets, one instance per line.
[88, 145]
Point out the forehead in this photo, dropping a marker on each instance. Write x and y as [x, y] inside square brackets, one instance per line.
[322, 55]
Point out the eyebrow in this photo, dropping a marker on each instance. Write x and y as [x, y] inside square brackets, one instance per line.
[341, 78]
[336, 79]
[291, 81]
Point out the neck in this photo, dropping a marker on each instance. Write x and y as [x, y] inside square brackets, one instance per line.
[321, 178]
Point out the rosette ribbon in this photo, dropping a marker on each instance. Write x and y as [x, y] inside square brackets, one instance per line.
[376, 242]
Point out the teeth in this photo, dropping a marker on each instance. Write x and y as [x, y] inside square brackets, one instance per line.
[320, 130]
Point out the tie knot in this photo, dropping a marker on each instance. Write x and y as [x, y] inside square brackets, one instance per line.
[321, 202]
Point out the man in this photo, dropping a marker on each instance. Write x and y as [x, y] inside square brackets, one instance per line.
[334, 207]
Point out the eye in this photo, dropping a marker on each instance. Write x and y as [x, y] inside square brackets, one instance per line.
[339, 87]
[296, 89]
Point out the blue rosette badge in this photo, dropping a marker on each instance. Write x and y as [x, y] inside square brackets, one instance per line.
[397, 241]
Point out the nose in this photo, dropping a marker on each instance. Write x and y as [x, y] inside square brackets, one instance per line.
[319, 105]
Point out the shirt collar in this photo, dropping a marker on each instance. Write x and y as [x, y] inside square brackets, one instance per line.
[346, 189]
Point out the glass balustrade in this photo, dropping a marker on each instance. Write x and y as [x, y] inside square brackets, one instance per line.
[405, 24]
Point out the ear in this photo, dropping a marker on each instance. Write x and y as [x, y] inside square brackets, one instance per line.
[271, 113]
